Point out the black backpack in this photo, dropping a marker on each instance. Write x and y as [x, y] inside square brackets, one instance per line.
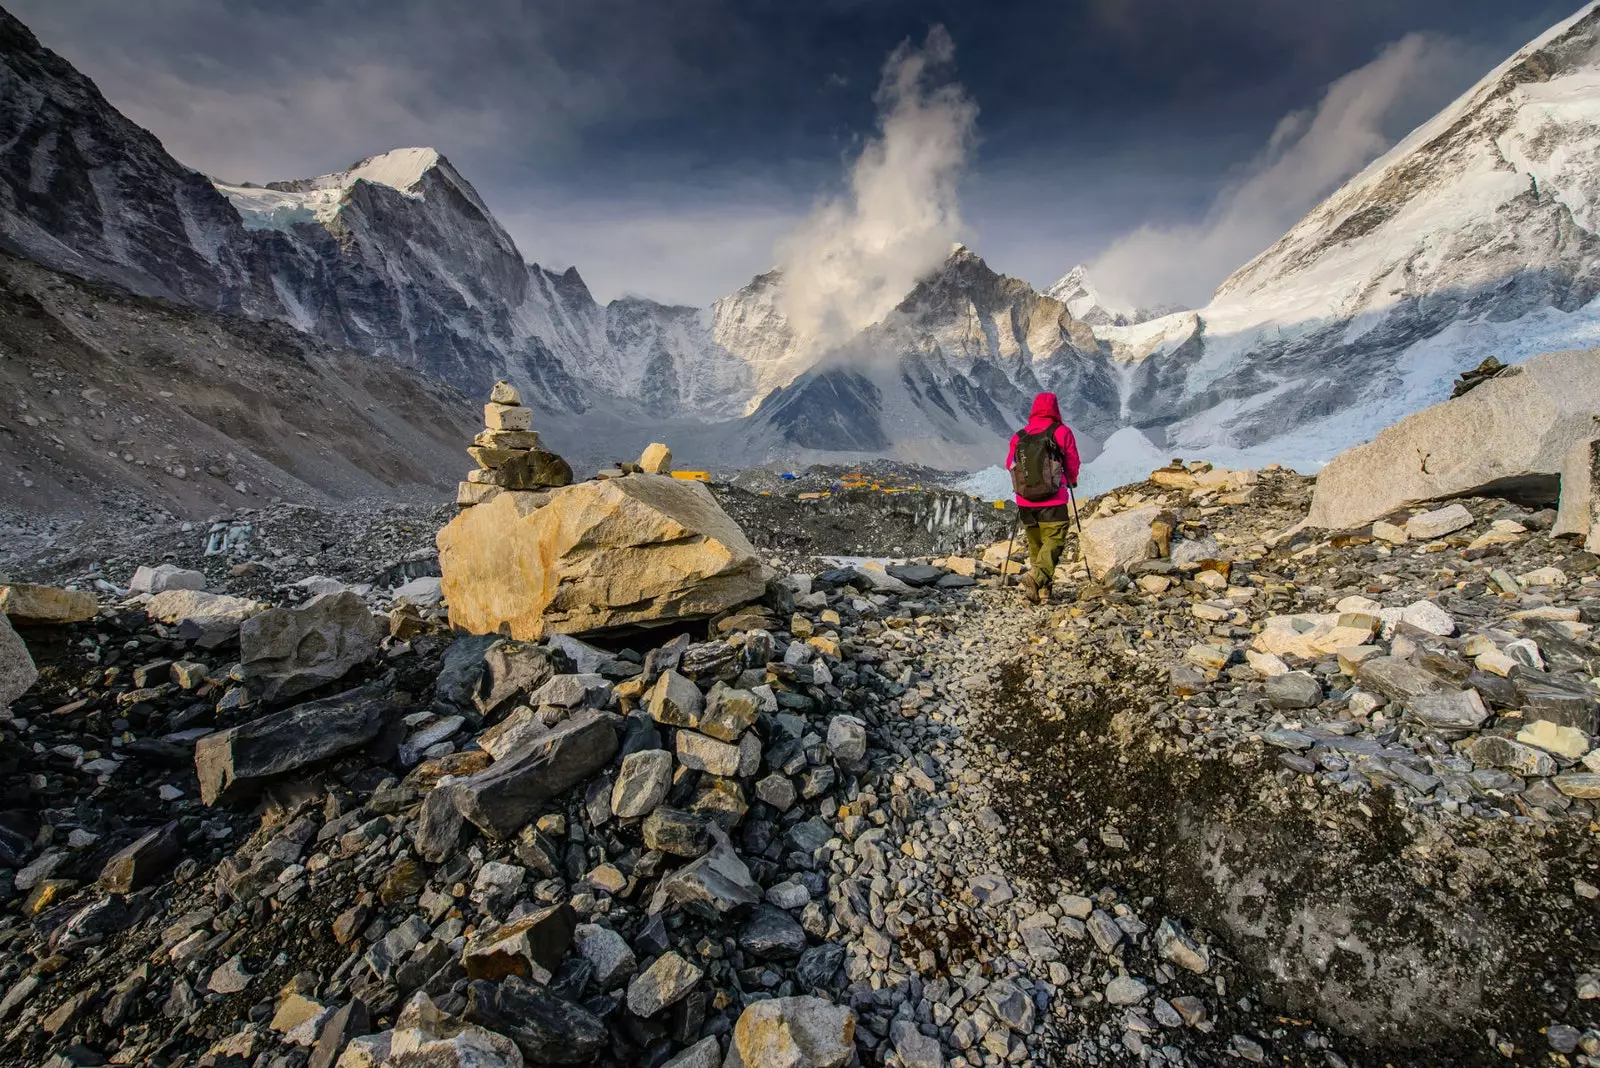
[1038, 468]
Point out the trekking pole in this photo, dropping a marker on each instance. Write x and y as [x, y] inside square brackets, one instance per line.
[1009, 544]
[1073, 501]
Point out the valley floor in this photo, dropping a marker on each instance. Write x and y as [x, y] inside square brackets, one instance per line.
[1084, 833]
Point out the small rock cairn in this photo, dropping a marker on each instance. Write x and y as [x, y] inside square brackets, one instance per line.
[508, 452]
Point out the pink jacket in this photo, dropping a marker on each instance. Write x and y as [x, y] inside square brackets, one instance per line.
[1046, 410]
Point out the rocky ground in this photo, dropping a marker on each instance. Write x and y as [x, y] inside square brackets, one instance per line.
[1277, 798]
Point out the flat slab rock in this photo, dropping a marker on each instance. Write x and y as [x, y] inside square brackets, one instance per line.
[236, 759]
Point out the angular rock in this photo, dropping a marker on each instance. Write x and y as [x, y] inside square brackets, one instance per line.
[715, 885]
[241, 757]
[675, 701]
[1118, 540]
[164, 577]
[346, 1023]
[499, 800]
[29, 605]
[1461, 710]
[142, 862]
[546, 1028]
[1564, 700]
[1580, 494]
[216, 616]
[292, 650]
[17, 672]
[608, 953]
[799, 1032]
[531, 947]
[511, 669]
[728, 713]
[697, 752]
[847, 739]
[656, 459]
[642, 783]
[1427, 526]
[1511, 433]
[1174, 944]
[642, 550]
[772, 934]
[1294, 689]
[674, 831]
[667, 979]
[426, 1037]
[1582, 784]
[1566, 742]
[1397, 679]
[1497, 752]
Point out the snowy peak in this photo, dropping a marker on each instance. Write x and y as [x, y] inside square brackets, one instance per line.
[1077, 291]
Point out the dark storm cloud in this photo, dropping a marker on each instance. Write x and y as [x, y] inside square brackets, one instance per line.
[665, 145]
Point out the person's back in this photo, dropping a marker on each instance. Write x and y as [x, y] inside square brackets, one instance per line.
[1043, 461]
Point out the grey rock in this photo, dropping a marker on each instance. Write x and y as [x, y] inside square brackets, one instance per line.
[142, 862]
[668, 979]
[291, 650]
[1497, 752]
[572, 691]
[1174, 944]
[772, 934]
[817, 966]
[675, 701]
[343, 1024]
[1104, 930]
[1397, 679]
[847, 739]
[17, 672]
[1012, 1007]
[642, 783]
[728, 713]
[230, 977]
[1126, 990]
[511, 669]
[706, 1053]
[499, 799]
[608, 952]
[715, 884]
[1449, 709]
[546, 1028]
[1294, 689]
[242, 757]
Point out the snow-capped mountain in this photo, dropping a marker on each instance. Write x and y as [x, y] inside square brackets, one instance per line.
[397, 256]
[948, 375]
[1475, 236]
[1078, 293]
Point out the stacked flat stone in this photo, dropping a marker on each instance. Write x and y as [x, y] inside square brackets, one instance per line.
[508, 452]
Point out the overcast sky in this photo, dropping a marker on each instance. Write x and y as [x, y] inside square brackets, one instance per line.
[671, 148]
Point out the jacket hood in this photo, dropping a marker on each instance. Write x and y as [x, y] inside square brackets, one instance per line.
[1045, 406]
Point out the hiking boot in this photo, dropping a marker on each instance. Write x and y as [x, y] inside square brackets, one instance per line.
[1030, 589]
[1042, 596]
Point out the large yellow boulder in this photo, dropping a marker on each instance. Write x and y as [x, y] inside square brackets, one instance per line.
[636, 551]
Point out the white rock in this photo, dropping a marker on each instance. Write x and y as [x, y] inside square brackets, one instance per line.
[1439, 522]
[165, 577]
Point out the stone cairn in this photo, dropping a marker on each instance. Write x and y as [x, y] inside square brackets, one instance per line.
[508, 452]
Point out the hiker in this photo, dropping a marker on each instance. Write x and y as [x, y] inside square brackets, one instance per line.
[1043, 461]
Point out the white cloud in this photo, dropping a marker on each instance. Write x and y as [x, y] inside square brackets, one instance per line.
[671, 252]
[1308, 155]
[856, 256]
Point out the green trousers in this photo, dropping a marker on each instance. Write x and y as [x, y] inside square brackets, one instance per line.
[1045, 543]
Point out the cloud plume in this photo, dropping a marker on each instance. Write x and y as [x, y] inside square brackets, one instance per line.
[1309, 154]
[856, 255]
